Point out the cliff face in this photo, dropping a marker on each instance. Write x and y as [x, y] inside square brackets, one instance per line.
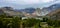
[54, 14]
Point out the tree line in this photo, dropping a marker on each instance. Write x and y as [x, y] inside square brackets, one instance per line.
[17, 22]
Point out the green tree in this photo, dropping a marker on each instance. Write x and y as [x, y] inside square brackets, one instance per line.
[16, 22]
[57, 23]
[50, 22]
[31, 22]
[45, 19]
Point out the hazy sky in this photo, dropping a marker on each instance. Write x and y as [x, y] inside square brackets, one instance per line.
[27, 3]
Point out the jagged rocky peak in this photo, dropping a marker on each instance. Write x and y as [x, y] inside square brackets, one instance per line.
[38, 12]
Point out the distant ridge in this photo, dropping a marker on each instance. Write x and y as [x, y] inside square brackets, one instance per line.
[27, 10]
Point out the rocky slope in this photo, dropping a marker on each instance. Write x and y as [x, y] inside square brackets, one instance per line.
[9, 11]
[54, 14]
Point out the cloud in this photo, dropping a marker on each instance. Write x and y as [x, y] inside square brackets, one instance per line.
[27, 3]
[45, 1]
[21, 1]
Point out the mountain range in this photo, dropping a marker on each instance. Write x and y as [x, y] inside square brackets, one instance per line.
[44, 10]
[53, 7]
[27, 10]
[30, 11]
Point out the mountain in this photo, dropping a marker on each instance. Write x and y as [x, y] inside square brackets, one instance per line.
[41, 12]
[54, 14]
[4, 9]
[9, 11]
[27, 10]
[30, 11]
[53, 7]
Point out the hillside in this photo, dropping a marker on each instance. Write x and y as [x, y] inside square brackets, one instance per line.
[55, 14]
[9, 11]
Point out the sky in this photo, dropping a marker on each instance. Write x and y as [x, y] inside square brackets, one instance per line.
[20, 4]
